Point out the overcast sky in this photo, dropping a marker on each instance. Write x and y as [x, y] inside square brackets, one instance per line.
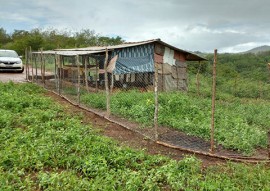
[195, 25]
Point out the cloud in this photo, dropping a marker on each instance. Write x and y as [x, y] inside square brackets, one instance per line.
[188, 24]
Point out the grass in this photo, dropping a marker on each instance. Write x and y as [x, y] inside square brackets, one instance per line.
[240, 124]
[44, 148]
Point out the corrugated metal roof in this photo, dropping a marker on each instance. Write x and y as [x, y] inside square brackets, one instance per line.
[98, 49]
[103, 48]
[67, 52]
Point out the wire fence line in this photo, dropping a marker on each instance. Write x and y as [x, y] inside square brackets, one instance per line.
[130, 96]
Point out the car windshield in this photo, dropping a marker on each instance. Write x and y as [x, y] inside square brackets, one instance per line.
[5, 53]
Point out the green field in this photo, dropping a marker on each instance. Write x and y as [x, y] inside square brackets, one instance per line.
[240, 124]
[44, 148]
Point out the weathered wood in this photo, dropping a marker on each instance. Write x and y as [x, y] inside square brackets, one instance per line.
[32, 64]
[42, 67]
[86, 72]
[112, 82]
[26, 63]
[36, 66]
[107, 85]
[156, 103]
[78, 79]
[269, 145]
[212, 149]
[55, 72]
[61, 60]
[96, 75]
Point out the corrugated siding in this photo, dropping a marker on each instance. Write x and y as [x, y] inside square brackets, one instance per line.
[136, 51]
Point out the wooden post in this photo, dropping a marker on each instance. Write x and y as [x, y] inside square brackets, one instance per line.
[107, 85]
[213, 102]
[156, 102]
[26, 64]
[61, 60]
[36, 67]
[42, 68]
[112, 82]
[96, 75]
[79, 79]
[55, 72]
[269, 69]
[32, 64]
[269, 145]
[86, 72]
[162, 76]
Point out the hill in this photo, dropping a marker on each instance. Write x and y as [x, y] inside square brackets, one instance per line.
[259, 49]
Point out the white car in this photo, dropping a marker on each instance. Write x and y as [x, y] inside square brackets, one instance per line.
[10, 61]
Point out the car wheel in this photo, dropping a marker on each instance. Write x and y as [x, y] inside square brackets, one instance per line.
[21, 71]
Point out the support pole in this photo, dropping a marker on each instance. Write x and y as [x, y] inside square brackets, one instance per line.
[32, 64]
[61, 63]
[156, 103]
[96, 75]
[26, 64]
[36, 76]
[55, 72]
[212, 150]
[78, 79]
[107, 85]
[86, 72]
[268, 145]
[42, 68]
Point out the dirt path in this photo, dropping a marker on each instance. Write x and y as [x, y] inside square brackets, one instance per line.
[126, 137]
[12, 76]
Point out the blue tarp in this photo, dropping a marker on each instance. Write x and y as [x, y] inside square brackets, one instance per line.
[134, 65]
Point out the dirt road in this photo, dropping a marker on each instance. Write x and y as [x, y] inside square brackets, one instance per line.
[12, 76]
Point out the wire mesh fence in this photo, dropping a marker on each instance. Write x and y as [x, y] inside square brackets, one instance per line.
[150, 101]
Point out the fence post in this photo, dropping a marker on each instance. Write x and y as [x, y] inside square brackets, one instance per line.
[86, 72]
[36, 57]
[97, 75]
[78, 79]
[213, 102]
[32, 64]
[269, 145]
[156, 102]
[107, 85]
[56, 76]
[26, 63]
[42, 68]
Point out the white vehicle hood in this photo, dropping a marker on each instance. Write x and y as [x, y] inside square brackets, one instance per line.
[9, 59]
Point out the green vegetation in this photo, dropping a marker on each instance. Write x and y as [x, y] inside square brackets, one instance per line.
[239, 125]
[51, 39]
[242, 110]
[44, 148]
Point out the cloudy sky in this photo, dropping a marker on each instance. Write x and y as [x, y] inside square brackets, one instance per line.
[195, 25]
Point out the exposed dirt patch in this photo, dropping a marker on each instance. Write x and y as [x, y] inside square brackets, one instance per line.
[12, 76]
[127, 137]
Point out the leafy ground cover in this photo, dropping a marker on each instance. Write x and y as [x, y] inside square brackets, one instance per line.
[240, 124]
[44, 148]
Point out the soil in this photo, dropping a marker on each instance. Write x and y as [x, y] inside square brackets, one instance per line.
[127, 137]
[133, 138]
[12, 76]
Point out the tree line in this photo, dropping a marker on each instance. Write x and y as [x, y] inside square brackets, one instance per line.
[50, 39]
